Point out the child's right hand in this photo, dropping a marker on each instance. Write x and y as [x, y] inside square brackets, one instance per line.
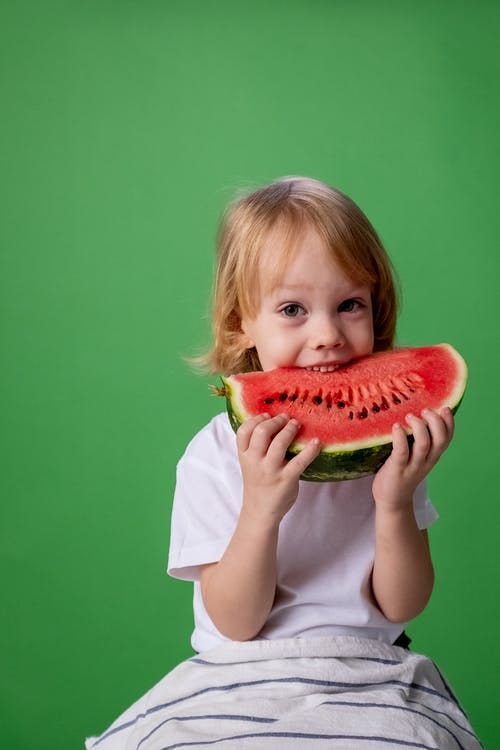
[270, 480]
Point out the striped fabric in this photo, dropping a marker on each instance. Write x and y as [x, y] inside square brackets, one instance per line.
[341, 693]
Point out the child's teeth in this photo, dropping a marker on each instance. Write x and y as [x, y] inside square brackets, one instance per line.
[322, 368]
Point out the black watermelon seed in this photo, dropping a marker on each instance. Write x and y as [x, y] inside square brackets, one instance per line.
[351, 415]
[363, 413]
[317, 400]
[269, 400]
[396, 399]
[283, 396]
[293, 397]
[341, 404]
[375, 407]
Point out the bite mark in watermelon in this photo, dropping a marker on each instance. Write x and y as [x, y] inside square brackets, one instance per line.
[351, 410]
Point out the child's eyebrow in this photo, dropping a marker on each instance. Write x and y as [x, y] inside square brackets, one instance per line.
[349, 290]
[293, 287]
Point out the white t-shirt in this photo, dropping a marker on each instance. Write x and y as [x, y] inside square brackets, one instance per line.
[325, 546]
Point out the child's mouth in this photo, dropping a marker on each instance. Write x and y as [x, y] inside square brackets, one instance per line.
[325, 368]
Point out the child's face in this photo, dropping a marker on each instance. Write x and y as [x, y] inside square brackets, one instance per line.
[315, 317]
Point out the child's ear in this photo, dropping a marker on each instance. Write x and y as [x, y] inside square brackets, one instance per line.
[246, 340]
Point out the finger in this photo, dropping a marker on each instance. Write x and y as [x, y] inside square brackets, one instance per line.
[282, 440]
[421, 437]
[449, 420]
[245, 431]
[400, 448]
[299, 463]
[264, 432]
[440, 427]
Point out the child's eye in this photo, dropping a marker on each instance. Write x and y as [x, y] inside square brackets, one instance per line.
[292, 310]
[350, 305]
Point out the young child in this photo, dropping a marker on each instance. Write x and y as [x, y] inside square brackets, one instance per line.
[302, 281]
[301, 589]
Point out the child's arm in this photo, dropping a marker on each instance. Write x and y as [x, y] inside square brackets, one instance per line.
[403, 575]
[238, 591]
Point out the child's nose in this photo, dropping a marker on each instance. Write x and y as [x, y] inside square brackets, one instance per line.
[326, 334]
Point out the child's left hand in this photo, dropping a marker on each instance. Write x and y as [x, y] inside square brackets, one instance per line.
[398, 478]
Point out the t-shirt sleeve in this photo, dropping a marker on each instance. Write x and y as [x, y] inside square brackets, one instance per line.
[425, 512]
[206, 503]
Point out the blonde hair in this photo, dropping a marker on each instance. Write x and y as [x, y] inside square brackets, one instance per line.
[288, 206]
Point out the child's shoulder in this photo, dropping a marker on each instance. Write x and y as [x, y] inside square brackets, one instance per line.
[215, 437]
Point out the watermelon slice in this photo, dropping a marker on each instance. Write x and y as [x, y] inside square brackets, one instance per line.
[352, 409]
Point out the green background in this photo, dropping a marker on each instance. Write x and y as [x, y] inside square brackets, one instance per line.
[126, 126]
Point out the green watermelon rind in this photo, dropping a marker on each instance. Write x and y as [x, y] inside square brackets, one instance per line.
[340, 465]
[332, 465]
[337, 466]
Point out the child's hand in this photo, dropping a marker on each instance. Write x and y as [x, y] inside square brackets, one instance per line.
[397, 480]
[271, 482]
